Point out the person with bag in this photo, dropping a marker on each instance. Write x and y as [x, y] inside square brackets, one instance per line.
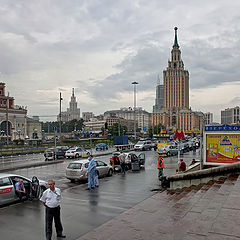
[122, 162]
[160, 167]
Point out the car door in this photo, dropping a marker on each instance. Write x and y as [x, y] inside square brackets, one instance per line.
[101, 168]
[36, 190]
[7, 191]
[79, 151]
[141, 158]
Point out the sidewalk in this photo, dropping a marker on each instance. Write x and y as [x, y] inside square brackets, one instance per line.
[211, 211]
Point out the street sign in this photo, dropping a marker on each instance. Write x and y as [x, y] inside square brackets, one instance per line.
[90, 134]
[54, 128]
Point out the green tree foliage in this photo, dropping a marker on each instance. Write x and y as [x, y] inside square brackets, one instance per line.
[155, 130]
[66, 127]
[114, 129]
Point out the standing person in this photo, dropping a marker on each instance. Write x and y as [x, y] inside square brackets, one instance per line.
[160, 167]
[122, 162]
[51, 199]
[91, 172]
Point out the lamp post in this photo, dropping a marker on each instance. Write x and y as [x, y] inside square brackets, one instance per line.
[60, 115]
[134, 91]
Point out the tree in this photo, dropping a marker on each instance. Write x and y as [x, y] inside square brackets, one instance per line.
[114, 129]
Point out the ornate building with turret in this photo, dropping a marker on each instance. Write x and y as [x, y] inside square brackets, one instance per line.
[176, 113]
[73, 112]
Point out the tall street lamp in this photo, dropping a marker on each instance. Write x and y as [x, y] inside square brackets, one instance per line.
[134, 91]
[60, 115]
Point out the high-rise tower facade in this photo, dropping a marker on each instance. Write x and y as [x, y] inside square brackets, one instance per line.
[176, 113]
[176, 80]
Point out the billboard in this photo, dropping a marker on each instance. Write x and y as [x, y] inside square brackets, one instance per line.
[221, 148]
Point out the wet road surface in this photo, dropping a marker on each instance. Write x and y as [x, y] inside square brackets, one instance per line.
[83, 210]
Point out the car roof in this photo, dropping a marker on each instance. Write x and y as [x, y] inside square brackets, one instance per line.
[81, 161]
[11, 175]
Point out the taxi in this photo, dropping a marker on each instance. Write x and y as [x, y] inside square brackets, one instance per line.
[7, 187]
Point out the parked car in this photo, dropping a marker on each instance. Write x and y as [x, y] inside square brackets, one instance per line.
[7, 187]
[168, 150]
[101, 147]
[154, 145]
[129, 157]
[77, 152]
[49, 154]
[77, 170]
[143, 145]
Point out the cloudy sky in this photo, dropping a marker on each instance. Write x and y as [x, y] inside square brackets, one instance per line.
[99, 47]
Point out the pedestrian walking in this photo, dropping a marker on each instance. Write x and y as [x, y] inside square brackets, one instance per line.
[122, 162]
[160, 167]
[51, 199]
[91, 173]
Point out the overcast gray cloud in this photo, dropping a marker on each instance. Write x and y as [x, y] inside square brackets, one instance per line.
[101, 46]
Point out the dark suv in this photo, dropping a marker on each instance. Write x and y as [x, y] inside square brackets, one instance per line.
[49, 154]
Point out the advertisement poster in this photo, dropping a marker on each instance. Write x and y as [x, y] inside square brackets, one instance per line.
[222, 148]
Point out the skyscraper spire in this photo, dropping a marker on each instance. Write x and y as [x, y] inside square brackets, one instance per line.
[73, 92]
[175, 39]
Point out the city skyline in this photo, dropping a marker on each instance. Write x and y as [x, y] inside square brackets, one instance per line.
[100, 48]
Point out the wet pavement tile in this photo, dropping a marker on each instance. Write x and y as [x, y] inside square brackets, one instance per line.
[227, 222]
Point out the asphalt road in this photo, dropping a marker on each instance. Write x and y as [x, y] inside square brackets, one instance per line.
[83, 211]
[14, 161]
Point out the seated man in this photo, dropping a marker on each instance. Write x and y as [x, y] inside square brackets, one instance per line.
[20, 189]
[182, 166]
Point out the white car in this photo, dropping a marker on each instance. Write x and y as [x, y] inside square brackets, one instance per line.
[77, 170]
[77, 152]
[143, 145]
[7, 187]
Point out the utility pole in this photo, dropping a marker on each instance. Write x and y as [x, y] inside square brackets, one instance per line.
[60, 116]
[134, 91]
[119, 127]
[7, 117]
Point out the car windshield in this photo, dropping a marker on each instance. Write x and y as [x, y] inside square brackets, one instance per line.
[75, 165]
[140, 142]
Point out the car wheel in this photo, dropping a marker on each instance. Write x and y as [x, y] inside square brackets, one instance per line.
[72, 180]
[77, 155]
[110, 172]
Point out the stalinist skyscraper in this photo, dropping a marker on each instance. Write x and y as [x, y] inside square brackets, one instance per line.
[176, 113]
[176, 80]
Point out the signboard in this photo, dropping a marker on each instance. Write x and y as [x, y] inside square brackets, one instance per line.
[54, 128]
[179, 136]
[223, 128]
[161, 135]
[221, 148]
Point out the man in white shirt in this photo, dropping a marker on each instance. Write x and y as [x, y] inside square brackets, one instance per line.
[51, 199]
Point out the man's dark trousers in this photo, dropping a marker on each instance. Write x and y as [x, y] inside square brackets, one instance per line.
[50, 214]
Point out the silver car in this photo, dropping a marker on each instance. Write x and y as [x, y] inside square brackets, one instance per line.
[8, 191]
[77, 170]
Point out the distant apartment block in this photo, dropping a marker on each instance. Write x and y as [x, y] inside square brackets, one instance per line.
[230, 115]
[86, 116]
[142, 116]
[208, 118]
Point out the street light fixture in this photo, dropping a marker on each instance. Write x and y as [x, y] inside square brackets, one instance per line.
[134, 92]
